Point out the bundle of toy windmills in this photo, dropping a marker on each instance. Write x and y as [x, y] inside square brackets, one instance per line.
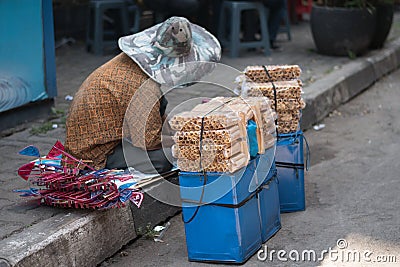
[58, 180]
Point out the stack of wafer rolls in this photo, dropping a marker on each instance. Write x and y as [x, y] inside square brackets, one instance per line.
[260, 111]
[281, 84]
[210, 139]
[212, 136]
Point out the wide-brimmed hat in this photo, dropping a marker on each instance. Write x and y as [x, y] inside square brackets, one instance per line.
[168, 52]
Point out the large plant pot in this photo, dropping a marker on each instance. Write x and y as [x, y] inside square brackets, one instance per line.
[342, 31]
[384, 19]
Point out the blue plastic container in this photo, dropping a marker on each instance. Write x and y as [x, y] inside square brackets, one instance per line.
[289, 159]
[227, 228]
[223, 234]
[268, 199]
[229, 188]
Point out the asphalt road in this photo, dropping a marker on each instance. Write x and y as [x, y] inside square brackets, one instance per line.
[352, 194]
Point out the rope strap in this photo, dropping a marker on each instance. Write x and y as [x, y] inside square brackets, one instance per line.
[289, 165]
[232, 206]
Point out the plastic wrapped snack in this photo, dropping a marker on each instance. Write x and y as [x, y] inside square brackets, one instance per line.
[209, 149]
[282, 86]
[193, 121]
[284, 89]
[288, 126]
[288, 104]
[229, 165]
[275, 73]
[219, 137]
[219, 127]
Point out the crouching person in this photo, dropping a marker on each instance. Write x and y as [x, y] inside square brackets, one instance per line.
[116, 117]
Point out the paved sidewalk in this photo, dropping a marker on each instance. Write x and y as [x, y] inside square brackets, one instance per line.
[352, 217]
[36, 235]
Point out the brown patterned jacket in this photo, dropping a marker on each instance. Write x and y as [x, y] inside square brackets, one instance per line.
[96, 118]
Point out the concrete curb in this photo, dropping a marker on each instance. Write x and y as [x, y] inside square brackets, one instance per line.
[326, 94]
[73, 239]
[87, 238]
[83, 238]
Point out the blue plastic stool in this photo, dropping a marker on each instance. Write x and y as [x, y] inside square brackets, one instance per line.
[234, 9]
[285, 28]
[96, 12]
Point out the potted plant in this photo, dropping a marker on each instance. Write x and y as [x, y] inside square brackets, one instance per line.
[343, 27]
[384, 10]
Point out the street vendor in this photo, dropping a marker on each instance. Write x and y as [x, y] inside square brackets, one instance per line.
[95, 123]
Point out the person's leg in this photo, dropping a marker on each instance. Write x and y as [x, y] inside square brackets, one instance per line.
[159, 159]
[202, 15]
[276, 9]
[216, 10]
[250, 24]
[154, 161]
[116, 160]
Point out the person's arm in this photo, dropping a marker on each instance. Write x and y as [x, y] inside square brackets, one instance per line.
[143, 120]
